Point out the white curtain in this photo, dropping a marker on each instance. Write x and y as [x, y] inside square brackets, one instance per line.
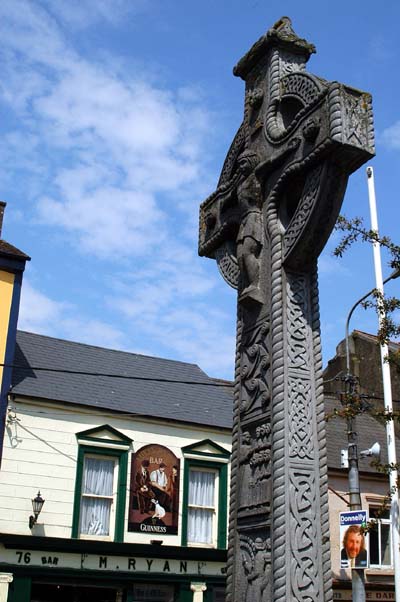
[98, 477]
[201, 493]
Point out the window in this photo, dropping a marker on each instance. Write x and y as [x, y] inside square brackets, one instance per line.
[380, 540]
[202, 506]
[152, 592]
[101, 484]
[98, 496]
[204, 510]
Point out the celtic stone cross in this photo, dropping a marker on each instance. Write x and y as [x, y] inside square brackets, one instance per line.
[278, 197]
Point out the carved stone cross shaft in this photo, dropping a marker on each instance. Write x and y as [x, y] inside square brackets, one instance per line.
[278, 197]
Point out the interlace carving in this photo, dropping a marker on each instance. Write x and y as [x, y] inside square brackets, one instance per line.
[303, 86]
[303, 211]
[255, 362]
[307, 91]
[227, 264]
[297, 311]
[234, 151]
[305, 584]
[301, 415]
[300, 396]
[290, 63]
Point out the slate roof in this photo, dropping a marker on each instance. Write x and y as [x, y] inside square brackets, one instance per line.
[8, 250]
[177, 401]
[209, 405]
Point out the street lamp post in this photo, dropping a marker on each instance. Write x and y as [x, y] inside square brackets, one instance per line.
[357, 575]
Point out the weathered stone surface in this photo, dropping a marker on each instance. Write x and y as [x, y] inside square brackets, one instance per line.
[276, 202]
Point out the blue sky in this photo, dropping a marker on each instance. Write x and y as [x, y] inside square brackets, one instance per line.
[115, 118]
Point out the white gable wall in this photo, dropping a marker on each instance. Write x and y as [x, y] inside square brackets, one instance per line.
[40, 453]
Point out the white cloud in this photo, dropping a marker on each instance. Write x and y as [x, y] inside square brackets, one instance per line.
[166, 304]
[119, 162]
[391, 136]
[80, 14]
[127, 142]
[93, 332]
[108, 221]
[191, 330]
[44, 315]
[38, 312]
[28, 30]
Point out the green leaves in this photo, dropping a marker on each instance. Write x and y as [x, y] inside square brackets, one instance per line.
[354, 231]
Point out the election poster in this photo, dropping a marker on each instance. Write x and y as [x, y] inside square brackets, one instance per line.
[353, 540]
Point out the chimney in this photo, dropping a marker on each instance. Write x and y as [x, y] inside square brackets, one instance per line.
[2, 208]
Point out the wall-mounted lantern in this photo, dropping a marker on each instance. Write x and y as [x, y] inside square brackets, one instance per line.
[37, 505]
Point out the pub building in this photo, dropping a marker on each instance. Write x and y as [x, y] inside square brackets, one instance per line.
[111, 489]
[98, 499]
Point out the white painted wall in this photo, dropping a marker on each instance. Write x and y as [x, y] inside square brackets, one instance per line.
[40, 452]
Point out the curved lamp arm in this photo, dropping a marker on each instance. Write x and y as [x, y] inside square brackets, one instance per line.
[395, 274]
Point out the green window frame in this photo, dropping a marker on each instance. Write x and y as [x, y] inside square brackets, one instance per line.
[112, 449]
[214, 462]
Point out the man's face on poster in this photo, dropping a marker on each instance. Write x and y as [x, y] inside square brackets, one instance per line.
[354, 544]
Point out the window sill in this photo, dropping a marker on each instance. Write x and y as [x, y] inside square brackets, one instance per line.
[210, 546]
[95, 537]
[378, 571]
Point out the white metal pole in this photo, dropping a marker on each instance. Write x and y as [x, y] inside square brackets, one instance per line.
[387, 395]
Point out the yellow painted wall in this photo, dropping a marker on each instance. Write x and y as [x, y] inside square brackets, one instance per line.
[6, 292]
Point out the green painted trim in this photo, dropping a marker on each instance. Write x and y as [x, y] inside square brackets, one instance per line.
[208, 594]
[122, 456]
[220, 451]
[105, 427]
[105, 442]
[209, 455]
[121, 497]
[185, 594]
[222, 506]
[222, 498]
[77, 495]
[19, 590]
[185, 499]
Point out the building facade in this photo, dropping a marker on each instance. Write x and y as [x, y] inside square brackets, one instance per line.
[133, 470]
[374, 485]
